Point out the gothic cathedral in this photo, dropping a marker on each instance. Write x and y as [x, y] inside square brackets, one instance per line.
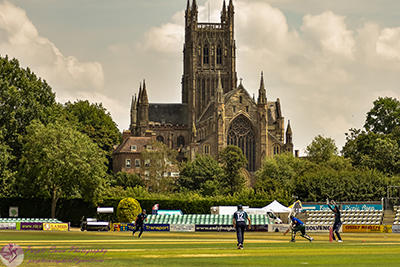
[215, 111]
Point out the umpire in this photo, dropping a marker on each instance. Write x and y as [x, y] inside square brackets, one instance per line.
[239, 222]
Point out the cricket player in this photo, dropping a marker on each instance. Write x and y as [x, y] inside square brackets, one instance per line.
[139, 223]
[338, 222]
[239, 222]
[296, 225]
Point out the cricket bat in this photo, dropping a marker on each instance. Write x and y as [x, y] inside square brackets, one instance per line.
[330, 234]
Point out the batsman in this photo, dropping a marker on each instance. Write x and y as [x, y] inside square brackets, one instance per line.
[297, 226]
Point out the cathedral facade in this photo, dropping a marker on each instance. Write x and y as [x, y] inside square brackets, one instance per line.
[215, 110]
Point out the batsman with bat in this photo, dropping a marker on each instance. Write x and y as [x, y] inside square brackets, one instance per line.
[297, 226]
[337, 223]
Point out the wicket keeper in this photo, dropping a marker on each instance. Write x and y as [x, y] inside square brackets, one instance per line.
[239, 222]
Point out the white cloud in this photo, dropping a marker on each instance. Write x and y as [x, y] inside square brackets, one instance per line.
[330, 32]
[388, 44]
[19, 38]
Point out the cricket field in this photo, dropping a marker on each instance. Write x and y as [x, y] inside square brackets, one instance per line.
[200, 249]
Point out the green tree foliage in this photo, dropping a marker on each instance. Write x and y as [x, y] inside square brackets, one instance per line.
[128, 209]
[23, 97]
[203, 175]
[373, 150]
[321, 149]
[384, 117]
[7, 176]
[276, 175]
[346, 185]
[58, 161]
[125, 180]
[159, 160]
[94, 121]
[233, 161]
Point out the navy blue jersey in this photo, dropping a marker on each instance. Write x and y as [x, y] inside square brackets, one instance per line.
[296, 221]
[140, 218]
[240, 216]
[336, 212]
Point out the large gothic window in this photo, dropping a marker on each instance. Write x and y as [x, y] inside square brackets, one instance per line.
[181, 141]
[241, 134]
[160, 139]
[219, 55]
[206, 55]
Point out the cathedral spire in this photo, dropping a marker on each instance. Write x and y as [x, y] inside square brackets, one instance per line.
[139, 99]
[220, 90]
[133, 114]
[223, 12]
[262, 95]
[289, 134]
[144, 99]
[194, 11]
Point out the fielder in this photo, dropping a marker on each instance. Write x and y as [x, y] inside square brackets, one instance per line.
[139, 223]
[239, 222]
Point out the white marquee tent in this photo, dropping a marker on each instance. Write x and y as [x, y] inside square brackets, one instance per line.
[276, 207]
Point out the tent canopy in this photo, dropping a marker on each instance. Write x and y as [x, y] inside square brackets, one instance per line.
[275, 206]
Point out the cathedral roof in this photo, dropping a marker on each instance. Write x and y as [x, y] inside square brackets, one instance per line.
[175, 114]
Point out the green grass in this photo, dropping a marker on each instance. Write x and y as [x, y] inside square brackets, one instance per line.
[204, 249]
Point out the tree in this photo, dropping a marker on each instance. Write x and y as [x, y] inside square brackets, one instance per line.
[321, 149]
[277, 174]
[7, 176]
[126, 180]
[128, 209]
[94, 121]
[58, 161]
[384, 117]
[203, 174]
[233, 161]
[159, 162]
[23, 98]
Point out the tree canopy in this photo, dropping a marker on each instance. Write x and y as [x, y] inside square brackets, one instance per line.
[23, 98]
[233, 162]
[384, 117]
[321, 149]
[58, 161]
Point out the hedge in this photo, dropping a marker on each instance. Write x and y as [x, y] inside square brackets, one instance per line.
[72, 210]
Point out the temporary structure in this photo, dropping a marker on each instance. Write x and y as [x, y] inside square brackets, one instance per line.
[276, 207]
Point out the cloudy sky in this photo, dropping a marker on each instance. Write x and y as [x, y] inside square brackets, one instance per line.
[326, 61]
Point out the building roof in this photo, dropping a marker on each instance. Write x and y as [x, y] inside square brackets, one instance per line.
[139, 141]
[175, 114]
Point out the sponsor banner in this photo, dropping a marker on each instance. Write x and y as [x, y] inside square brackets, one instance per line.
[156, 227]
[8, 226]
[386, 228]
[278, 227]
[122, 227]
[317, 228]
[396, 228]
[116, 227]
[361, 228]
[355, 207]
[258, 228]
[31, 226]
[214, 228]
[182, 228]
[64, 227]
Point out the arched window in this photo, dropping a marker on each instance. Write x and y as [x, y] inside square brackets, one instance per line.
[181, 141]
[276, 149]
[241, 134]
[206, 54]
[160, 139]
[219, 55]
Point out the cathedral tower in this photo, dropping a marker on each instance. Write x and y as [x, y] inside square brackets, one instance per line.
[209, 48]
